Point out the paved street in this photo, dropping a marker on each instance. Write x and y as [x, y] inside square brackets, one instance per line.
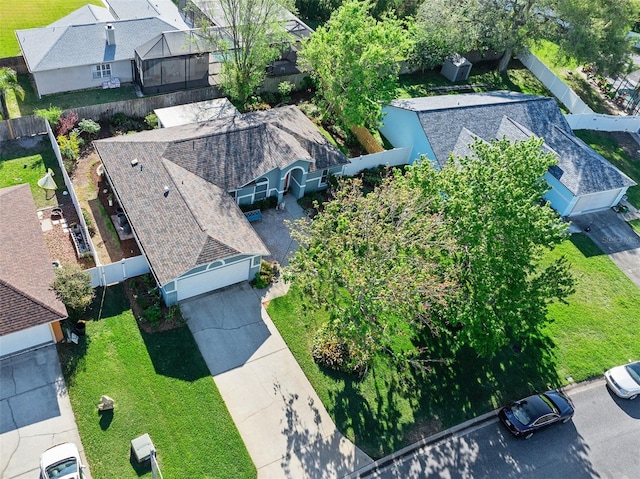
[602, 441]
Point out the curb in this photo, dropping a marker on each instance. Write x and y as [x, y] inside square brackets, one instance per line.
[405, 451]
[487, 417]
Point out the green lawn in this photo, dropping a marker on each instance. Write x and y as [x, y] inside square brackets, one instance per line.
[635, 224]
[567, 69]
[517, 78]
[608, 147]
[386, 410]
[23, 14]
[19, 165]
[161, 386]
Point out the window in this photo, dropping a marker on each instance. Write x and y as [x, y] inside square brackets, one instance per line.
[102, 71]
[261, 190]
[325, 177]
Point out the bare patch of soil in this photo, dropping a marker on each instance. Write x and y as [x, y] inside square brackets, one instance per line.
[627, 143]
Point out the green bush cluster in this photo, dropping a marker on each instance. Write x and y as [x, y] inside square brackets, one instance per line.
[90, 226]
[337, 354]
[266, 204]
[267, 274]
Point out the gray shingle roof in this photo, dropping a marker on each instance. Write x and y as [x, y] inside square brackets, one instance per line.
[579, 168]
[26, 272]
[67, 46]
[197, 221]
[165, 9]
[84, 15]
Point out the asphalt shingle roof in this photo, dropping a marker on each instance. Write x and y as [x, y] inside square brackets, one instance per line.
[198, 221]
[26, 272]
[444, 117]
[54, 47]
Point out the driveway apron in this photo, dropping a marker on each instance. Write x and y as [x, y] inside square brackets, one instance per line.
[35, 412]
[286, 429]
[615, 238]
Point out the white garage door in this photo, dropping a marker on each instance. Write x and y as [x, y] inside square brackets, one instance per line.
[214, 279]
[25, 339]
[596, 201]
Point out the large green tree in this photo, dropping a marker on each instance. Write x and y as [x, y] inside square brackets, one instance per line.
[502, 227]
[591, 31]
[378, 264]
[254, 35]
[354, 61]
[435, 260]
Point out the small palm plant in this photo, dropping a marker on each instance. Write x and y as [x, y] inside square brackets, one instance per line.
[9, 82]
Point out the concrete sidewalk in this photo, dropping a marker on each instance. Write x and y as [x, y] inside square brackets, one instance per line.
[286, 429]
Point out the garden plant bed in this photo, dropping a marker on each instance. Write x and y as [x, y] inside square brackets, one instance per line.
[59, 242]
[148, 308]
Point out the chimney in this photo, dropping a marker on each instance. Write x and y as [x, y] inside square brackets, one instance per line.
[111, 34]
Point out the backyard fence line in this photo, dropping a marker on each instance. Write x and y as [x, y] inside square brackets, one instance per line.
[106, 274]
[594, 121]
[559, 88]
[395, 157]
[21, 127]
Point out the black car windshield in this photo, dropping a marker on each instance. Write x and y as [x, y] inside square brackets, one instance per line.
[634, 371]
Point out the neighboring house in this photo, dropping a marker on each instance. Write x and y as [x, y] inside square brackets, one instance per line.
[180, 188]
[581, 182]
[30, 311]
[95, 47]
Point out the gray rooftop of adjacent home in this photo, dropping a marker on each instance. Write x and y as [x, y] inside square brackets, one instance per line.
[515, 116]
[174, 43]
[132, 9]
[84, 15]
[198, 221]
[50, 48]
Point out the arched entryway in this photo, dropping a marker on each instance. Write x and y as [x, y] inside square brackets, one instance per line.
[294, 182]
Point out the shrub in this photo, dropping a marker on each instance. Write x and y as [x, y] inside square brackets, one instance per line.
[89, 127]
[73, 287]
[337, 354]
[69, 146]
[267, 274]
[87, 219]
[67, 123]
[285, 88]
[151, 120]
[268, 203]
[121, 123]
[51, 114]
[153, 314]
[311, 110]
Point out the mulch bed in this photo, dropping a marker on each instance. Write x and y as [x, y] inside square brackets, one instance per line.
[137, 291]
[59, 242]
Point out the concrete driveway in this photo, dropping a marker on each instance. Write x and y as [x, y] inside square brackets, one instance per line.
[285, 427]
[35, 412]
[615, 238]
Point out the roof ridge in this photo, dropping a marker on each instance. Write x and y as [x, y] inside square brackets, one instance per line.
[31, 298]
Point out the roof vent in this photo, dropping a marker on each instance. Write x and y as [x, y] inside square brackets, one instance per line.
[166, 191]
[134, 162]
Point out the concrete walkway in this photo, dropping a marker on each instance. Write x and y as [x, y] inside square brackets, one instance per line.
[284, 425]
[615, 238]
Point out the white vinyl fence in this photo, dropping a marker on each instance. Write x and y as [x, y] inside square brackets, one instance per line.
[594, 121]
[559, 88]
[395, 157]
[103, 275]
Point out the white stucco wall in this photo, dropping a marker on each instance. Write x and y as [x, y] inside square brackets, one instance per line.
[79, 78]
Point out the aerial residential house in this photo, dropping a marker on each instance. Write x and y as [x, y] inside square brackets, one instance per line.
[181, 187]
[30, 311]
[434, 127]
[94, 47]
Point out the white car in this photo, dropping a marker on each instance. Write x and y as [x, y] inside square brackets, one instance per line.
[61, 462]
[624, 381]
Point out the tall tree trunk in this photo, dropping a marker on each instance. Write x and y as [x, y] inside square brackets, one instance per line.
[504, 60]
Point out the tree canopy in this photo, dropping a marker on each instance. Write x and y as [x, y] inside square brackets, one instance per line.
[433, 258]
[591, 31]
[354, 61]
[254, 36]
[73, 287]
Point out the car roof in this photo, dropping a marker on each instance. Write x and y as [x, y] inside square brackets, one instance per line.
[535, 406]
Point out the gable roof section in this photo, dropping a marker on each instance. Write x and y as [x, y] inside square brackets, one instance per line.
[579, 167]
[84, 15]
[26, 272]
[174, 43]
[131, 9]
[68, 46]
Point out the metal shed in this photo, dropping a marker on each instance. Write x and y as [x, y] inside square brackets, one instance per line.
[456, 68]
